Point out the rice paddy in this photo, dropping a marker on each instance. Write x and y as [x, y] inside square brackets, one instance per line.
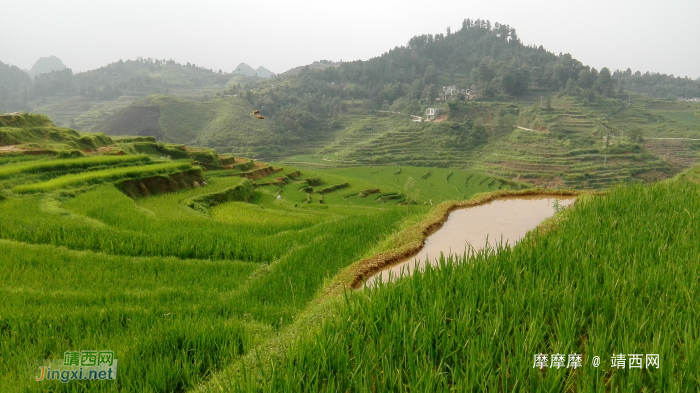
[603, 281]
[178, 293]
[224, 294]
[67, 164]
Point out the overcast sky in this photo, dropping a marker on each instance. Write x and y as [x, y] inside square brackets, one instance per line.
[658, 36]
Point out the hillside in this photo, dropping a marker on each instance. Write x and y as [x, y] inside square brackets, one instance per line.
[316, 65]
[81, 100]
[13, 86]
[478, 75]
[563, 146]
[223, 123]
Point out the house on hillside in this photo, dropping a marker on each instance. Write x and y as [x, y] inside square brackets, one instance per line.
[431, 113]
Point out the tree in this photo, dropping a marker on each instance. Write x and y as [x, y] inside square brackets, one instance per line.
[431, 75]
[571, 88]
[604, 84]
[431, 93]
[621, 86]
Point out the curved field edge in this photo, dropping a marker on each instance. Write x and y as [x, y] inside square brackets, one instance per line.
[260, 361]
[597, 279]
[107, 174]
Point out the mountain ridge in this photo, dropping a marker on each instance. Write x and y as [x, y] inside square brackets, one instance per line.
[44, 65]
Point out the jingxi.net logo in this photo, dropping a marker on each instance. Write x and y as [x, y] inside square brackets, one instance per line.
[79, 365]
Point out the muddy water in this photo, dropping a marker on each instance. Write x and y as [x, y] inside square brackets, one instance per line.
[504, 219]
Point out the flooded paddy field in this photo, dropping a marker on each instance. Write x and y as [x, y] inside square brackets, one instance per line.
[503, 220]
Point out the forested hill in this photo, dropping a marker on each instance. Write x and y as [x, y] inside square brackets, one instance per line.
[493, 60]
[489, 60]
[14, 84]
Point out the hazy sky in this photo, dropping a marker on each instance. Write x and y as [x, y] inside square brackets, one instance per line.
[658, 36]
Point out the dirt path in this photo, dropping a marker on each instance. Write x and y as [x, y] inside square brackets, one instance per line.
[676, 139]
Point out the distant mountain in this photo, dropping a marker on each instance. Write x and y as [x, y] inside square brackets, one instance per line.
[45, 65]
[244, 69]
[260, 72]
[65, 96]
[263, 72]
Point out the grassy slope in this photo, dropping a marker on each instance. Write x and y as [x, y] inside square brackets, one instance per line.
[32, 131]
[600, 281]
[233, 129]
[269, 259]
[570, 154]
[223, 123]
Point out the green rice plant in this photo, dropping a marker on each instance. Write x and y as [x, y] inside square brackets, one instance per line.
[167, 333]
[398, 172]
[596, 281]
[103, 175]
[447, 178]
[147, 251]
[106, 220]
[69, 164]
[426, 174]
[15, 158]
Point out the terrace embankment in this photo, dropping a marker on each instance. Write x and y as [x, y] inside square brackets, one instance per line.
[136, 188]
[241, 192]
[259, 173]
[412, 240]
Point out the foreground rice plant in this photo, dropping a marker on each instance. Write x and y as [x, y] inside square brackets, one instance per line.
[618, 275]
[107, 174]
[69, 164]
[161, 326]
